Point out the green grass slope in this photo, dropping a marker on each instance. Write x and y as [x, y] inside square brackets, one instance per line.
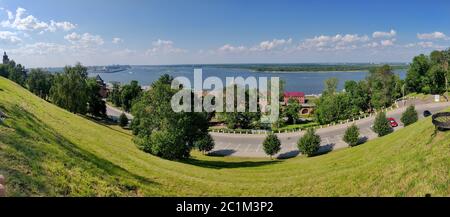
[47, 151]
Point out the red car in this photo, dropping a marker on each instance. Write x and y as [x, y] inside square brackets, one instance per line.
[393, 122]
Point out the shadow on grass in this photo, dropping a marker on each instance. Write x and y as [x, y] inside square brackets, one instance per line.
[35, 143]
[289, 154]
[106, 123]
[222, 153]
[227, 165]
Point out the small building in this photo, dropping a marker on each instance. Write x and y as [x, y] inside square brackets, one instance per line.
[299, 96]
[5, 58]
[103, 89]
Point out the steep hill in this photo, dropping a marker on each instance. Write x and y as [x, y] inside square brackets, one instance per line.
[47, 151]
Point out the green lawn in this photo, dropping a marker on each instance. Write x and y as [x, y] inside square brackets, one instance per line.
[46, 151]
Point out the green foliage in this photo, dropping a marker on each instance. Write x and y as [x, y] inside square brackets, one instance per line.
[351, 136]
[331, 85]
[205, 143]
[39, 82]
[410, 116]
[332, 108]
[381, 125]
[123, 120]
[292, 111]
[96, 104]
[242, 120]
[271, 145]
[70, 90]
[429, 74]
[309, 144]
[115, 96]
[381, 83]
[129, 93]
[154, 119]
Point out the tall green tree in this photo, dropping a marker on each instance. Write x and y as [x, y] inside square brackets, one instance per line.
[381, 82]
[416, 75]
[410, 116]
[115, 95]
[39, 82]
[161, 131]
[96, 104]
[129, 93]
[70, 90]
[292, 111]
[205, 143]
[351, 136]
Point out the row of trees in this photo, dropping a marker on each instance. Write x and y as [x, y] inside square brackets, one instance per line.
[380, 89]
[429, 74]
[71, 89]
[309, 144]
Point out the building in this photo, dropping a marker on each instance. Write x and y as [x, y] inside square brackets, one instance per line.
[103, 89]
[299, 96]
[5, 58]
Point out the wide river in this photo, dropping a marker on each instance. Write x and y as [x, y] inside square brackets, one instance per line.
[308, 82]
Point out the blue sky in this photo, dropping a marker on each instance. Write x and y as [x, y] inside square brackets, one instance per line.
[96, 32]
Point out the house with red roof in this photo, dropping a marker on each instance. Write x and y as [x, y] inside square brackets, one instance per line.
[299, 96]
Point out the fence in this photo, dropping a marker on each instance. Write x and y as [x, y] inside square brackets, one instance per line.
[2, 186]
[256, 132]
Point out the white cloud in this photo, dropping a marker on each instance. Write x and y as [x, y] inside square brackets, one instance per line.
[117, 40]
[9, 37]
[388, 42]
[23, 22]
[164, 47]
[389, 34]
[84, 40]
[40, 48]
[336, 42]
[270, 45]
[227, 48]
[431, 36]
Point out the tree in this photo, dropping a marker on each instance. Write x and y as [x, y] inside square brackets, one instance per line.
[292, 110]
[159, 130]
[205, 143]
[115, 95]
[123, 120]
[382, 126]
[309, 144]
[17, 73]
[70, 90]
[381, 82]
[271, 145]
[39, 82]
[410, 116]
[96, 105]
[331, 86]
[351, 136]
[129, 93]
[416, 74]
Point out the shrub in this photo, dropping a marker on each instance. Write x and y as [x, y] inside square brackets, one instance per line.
[123, 120]
[271, 145]
[205, 143]
[309, 144]
[409, 116]
[351, 136]
[382, 126]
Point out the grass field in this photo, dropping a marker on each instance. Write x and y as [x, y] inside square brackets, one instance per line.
[47, 151]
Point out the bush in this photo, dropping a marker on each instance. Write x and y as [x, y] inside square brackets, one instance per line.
[205, 143]
[351, 136]
[271, 145]
[382, 126]
[123, 120]
[309, 144]
[409, 116]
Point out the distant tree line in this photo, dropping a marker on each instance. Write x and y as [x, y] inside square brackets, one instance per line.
[317, 67]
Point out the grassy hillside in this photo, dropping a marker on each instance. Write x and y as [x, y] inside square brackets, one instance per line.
[46, 151]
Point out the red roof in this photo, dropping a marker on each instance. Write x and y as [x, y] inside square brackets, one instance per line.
[294, 94]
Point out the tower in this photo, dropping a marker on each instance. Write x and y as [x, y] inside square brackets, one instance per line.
[5, 58]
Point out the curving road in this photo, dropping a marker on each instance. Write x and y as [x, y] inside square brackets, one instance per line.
[251, 145]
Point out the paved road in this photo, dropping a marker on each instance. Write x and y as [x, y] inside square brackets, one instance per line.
[250, 145]
[115, 113]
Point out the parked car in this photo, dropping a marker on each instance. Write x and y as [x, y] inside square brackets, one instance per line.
[427, 113]
[393, 122]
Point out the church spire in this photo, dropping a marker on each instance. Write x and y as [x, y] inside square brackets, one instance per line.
[5, 58]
